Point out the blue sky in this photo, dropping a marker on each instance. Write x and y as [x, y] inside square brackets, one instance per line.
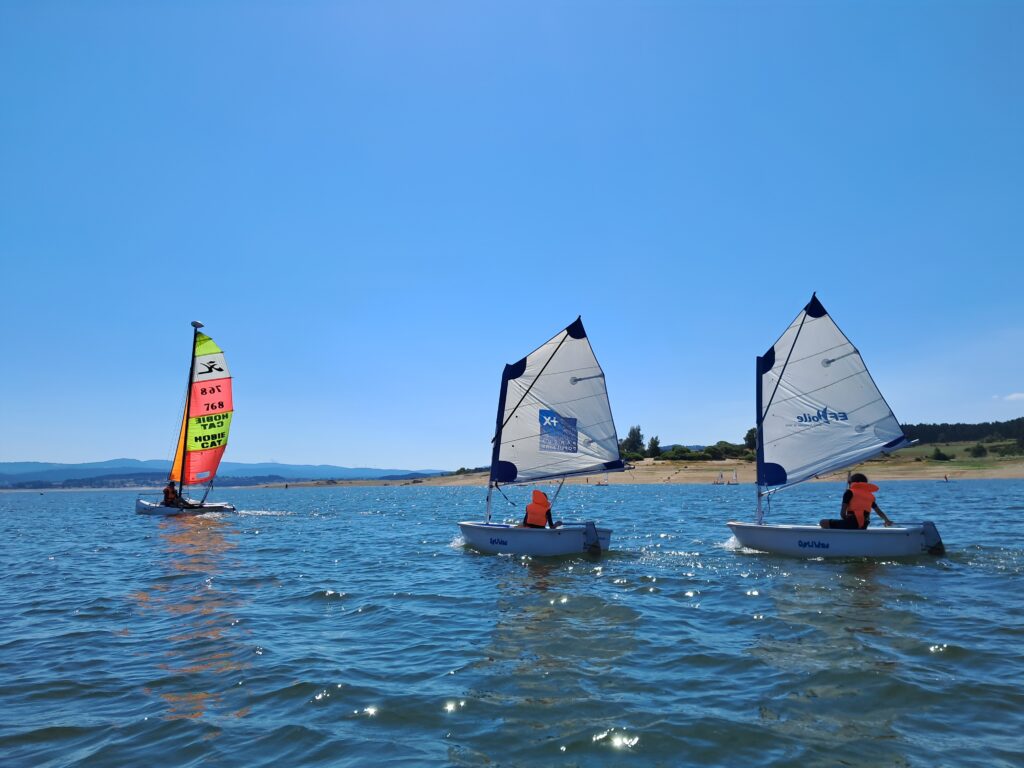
[374, 206]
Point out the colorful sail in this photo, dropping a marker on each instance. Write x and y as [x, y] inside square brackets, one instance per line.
[818, 409]
[554, 418]
[207, 420]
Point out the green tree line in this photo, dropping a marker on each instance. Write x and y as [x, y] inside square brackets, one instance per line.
[986, 432]
[633, 448]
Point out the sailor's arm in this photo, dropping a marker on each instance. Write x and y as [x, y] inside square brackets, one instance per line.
[881, 514]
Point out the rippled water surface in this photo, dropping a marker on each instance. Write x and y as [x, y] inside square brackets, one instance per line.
[348, 626]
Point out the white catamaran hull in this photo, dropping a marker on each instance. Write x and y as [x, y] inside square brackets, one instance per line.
[814, 541]
[144, 507]
[569, 539]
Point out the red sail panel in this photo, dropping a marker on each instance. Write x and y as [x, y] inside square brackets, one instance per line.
[201, 466]
[210, 397]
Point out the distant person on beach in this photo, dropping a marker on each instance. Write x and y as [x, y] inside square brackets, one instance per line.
[858, 503]
[538, 512]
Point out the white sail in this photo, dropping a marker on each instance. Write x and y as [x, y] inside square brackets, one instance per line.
[554, 418]
[819, 410]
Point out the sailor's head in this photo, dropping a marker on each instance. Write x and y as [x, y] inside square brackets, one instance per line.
[170, 483]
[857, 477]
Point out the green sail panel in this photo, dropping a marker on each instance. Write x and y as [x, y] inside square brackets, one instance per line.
[206, 432]
[206, 346]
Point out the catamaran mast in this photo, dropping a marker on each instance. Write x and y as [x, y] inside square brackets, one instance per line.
[760, 446]
[196, 325]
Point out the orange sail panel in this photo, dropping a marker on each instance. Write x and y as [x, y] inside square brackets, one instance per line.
[204, 429]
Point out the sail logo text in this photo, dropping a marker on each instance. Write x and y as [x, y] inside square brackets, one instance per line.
[824, 416]
[209, 441]
[557, 433]
[213, 421]
[812, 544]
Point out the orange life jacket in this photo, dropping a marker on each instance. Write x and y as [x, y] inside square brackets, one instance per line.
[862, 501]
[537, 510]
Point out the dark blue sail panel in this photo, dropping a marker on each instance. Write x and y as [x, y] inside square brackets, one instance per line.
[772, 474]
[504, 472]
[815, 308]
[511, 372]
[575, 329]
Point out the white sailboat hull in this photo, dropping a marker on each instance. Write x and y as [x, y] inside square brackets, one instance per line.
[569, 539]
[144, 507]
[814, 541]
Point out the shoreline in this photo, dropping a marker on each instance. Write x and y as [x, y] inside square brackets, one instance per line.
[650, 472]
[647, 472]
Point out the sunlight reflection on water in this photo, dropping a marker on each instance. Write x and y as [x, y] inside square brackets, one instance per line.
[355, 616]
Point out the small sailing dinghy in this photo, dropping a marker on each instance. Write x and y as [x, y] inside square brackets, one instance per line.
[819, 411]
[554, 421]
[204, 429]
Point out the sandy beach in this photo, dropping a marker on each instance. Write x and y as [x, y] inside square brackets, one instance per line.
[650, 472]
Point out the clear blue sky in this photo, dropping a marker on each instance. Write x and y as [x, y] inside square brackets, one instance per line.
[374, 206]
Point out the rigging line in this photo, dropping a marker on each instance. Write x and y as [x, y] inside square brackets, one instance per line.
[779, 380]
[503, 495]
[560, 403]
[556, 468]
[586, 430]
[535, 380]
[583, 367]
[556, 493]
[568, 400]
[812, 355]
[823, 387]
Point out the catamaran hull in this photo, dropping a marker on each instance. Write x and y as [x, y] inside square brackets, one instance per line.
[814, 541]
[570, 539]
[143, 507]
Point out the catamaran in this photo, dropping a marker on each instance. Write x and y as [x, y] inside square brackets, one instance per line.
[554, 421]
[204, 429]
[819, 412]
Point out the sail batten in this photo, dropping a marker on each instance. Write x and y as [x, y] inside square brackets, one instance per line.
[554, 419]
[825, 412]
[207, 418]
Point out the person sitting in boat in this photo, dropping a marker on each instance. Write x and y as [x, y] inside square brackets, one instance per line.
[171, 496]
[858, 502]
[538, 512]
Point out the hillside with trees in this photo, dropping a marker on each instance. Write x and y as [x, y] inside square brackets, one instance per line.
[986, 432]
[632, 448]
[1008, 435]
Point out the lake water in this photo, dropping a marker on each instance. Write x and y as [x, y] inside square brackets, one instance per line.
[348, 626]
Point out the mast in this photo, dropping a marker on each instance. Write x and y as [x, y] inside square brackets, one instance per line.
[760, 445]
[196, 325]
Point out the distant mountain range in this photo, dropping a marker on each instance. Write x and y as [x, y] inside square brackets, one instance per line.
[38, 474]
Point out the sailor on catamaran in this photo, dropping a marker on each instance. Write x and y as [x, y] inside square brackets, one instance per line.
[171, 497]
